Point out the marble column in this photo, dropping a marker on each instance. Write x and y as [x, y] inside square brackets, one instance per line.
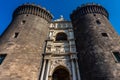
[48, 68]
[77, 68]
[73, 71]
[43, 70]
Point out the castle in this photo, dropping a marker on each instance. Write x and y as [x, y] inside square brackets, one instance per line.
[34, 47]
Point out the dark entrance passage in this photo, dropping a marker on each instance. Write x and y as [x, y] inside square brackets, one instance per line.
[61, 74]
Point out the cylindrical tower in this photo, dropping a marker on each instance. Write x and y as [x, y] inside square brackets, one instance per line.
[97, 43]
[22, 44]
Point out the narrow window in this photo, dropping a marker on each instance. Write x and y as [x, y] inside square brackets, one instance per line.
[117, 56]
[2, 57]
[26, 15]
[98, 22]
[94, 14]
[104, 34]
[23, 22]
[16, 34]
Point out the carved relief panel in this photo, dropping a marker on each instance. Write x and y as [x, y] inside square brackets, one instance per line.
[59, 62]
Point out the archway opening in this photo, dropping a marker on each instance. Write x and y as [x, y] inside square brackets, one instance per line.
[61, 74]
[61, 37]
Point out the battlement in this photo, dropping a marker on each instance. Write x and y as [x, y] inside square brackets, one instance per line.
[88, 9]
[34, 10]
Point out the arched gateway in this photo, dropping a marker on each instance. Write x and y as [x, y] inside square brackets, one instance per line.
[61, 73]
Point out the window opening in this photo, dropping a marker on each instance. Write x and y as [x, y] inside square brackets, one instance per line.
[16, 34]
[94, 14]
[117, 56]
[98, 22]
[2, 57]
[26, 14]
[23, 22]
[104, 34]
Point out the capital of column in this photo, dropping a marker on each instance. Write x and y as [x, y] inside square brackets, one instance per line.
[46, 58]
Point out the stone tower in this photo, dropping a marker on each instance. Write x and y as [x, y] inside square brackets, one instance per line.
[22, 44]
[97, 43]
[60, 56]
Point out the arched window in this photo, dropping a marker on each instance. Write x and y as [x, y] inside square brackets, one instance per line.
[61, 37]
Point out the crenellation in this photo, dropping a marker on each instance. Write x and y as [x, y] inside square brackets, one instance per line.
[91, 9]
[32, 9]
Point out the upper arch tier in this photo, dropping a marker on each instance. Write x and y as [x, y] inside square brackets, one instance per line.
[89, 8]
[33, 9]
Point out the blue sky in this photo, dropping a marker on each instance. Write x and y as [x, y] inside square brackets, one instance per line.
[57, 8]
